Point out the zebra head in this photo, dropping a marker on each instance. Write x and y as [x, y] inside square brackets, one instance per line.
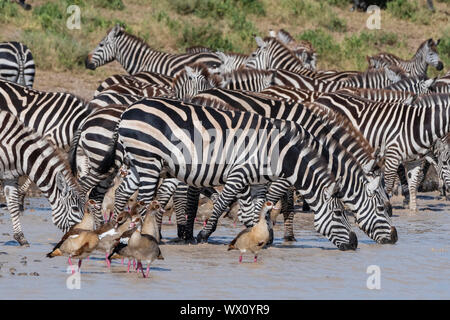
[105, 51]
[192, 80]
[373, 213]
[331, 221]
[259, 59]
[67, 204]
[440, 158]
[230, 62]
[431, 54]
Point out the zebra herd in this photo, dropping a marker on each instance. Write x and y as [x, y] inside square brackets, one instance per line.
[233, 127]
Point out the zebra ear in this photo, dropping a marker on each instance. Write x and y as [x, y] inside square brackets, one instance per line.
[189, 71]
[373, 184]
[431, 160]
[429, 83]
[437, 42]
[62, 184]
[221, 56]
[260, 42]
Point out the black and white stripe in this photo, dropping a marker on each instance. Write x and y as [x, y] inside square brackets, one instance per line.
[16, 63]
[136, 56]
[24, 152]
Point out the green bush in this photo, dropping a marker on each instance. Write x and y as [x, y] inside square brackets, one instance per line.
[8, 11]
[50, 17]
[109, 4]
[206, 36]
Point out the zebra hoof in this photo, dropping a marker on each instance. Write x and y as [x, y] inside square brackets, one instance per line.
[20, 238]
[352, 245]
[21, 208]
[3, 205]
[405, 202]
[289, 239]
[190, 240]
[202, 237]
[181, 230]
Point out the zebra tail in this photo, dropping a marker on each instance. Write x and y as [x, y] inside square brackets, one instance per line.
[110, 156]
[73, 152]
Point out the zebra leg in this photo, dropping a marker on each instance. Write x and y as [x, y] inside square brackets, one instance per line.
[126, 189]
[179, 203]
[277, 191]
[404, 183]
[414, 177]
[12, 200]
[23, 189]
[287, 208]
[98, 194]
[165, 191]
[192, 197]
[425, 168]
[236, 184]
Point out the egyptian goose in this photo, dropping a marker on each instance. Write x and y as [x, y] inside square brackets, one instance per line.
[141, 246]
[108, 200]
[254, 238]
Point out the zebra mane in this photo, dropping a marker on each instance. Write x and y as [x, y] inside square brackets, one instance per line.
[198, 49]
[279, 43]
[286, 38]
[433, 99]
[198, 68]
[245, 74]
[336, 119]
[213, 103]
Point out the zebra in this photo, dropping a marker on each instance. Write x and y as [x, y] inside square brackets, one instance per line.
[303, 50]
[425, 55]
[381, 95]
[136, 56]
[54, 115]
[25, 152]
[272, 54]
[256, 103]
[153, 153]
[404, 132]
[141, 77]
[16, 63]
[230, 62]
[374, 79]
[113, 98]
[145, 90]
[417, 85]
[247, 80]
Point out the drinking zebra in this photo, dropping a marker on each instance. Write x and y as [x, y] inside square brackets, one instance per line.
[16, 63]
[25, 152]
[136, 56]
[54, 115]
[404, 132]
[170, 146]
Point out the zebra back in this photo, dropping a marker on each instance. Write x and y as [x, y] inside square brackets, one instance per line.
[55, 115]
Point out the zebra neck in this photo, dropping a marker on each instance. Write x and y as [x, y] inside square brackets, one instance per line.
[417, 64]
[135, 56]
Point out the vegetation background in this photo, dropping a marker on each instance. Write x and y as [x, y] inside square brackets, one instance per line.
[339, 36]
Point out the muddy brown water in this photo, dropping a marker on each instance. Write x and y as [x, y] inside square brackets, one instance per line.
[417, 267]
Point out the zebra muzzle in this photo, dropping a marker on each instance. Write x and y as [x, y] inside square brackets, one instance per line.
[88, 63]
[440, 66]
